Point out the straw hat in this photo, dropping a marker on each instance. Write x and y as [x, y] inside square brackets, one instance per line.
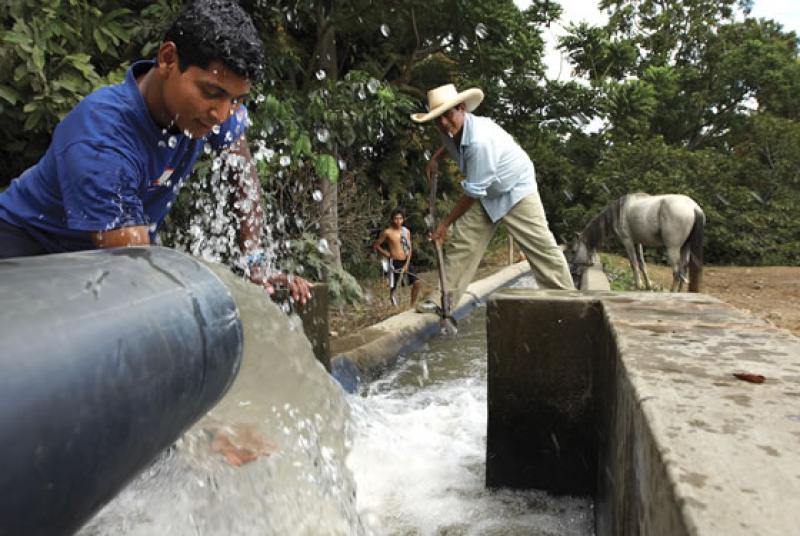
[445, 97]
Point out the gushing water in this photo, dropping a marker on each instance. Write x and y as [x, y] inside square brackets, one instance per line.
[282, 400]
[414, 446]
[419, 451]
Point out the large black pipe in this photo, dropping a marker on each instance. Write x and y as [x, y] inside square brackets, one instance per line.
[106, 357]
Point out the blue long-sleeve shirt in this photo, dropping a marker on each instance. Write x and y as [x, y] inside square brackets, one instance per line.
[497, 171]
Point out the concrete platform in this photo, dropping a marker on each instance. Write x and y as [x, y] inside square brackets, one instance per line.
[631, 397]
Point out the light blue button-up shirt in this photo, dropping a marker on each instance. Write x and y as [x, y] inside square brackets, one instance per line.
[497, 171]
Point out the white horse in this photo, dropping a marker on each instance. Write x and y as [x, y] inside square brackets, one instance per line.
[639, 219]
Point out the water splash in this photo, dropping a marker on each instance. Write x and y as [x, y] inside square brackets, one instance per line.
[418, 452]
[385, 31]
[282, 394]
[372, 86]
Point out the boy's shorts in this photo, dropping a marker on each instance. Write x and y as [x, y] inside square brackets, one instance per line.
[397, 274]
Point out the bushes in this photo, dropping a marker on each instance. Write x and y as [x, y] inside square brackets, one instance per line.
[53, 53]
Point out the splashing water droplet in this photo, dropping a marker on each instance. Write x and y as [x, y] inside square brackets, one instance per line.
[321, 74]
[260, 98]
[362, 94]
[285, 160]
[216, 129]
[342, 164]
[162, 143]
[207, 148]
[481, 30]
[385, 30]
[372, 85]
[323, 134]
[317, 196]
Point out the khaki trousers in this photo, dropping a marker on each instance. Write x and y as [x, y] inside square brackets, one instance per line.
[526, 222]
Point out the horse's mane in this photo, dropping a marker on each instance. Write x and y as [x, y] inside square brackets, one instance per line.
[604, 223]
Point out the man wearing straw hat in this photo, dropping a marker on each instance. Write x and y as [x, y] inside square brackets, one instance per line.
[500, 175]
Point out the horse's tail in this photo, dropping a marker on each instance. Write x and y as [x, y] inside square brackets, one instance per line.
[694, 244]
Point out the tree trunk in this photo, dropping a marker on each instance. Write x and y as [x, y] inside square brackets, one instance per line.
[329, 218]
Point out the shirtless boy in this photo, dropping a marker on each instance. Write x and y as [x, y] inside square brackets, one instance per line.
[399, 254]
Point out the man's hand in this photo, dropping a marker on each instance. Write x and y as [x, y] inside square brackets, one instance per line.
[299, 288]
[439, 234]
[432, 168]
[240, 444]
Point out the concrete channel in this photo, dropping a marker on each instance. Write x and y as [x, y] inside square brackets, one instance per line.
[365, 355]
[632, 398]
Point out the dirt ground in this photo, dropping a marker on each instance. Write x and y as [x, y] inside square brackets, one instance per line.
[769, 292]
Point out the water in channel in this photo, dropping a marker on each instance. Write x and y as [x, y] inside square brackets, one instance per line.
[420, 445]
[404, 457]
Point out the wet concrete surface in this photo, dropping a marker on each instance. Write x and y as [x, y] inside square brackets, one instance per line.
[683, 446]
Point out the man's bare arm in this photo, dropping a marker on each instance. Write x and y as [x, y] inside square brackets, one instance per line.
[248, 195]
[432, 168]
[463, 205]
[136, 235]
[379, 242]
[251, 225]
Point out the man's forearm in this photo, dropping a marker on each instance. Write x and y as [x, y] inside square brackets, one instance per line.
[250, 212]
[463, 205]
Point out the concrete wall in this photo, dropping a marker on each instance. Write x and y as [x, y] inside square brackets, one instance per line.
[640, 387]
[540, 392]
[314, 316]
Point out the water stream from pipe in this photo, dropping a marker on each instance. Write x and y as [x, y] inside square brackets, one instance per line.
[405, 457]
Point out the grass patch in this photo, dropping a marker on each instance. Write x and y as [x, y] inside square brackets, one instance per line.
[620, 277]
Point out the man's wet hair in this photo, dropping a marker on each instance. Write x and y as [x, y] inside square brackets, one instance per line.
[209, 30]
[397, 211]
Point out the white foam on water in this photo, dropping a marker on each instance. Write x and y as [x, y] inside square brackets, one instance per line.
[418, 453]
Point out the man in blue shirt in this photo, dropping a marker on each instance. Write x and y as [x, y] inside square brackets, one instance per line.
[118, 160]
[499, 174]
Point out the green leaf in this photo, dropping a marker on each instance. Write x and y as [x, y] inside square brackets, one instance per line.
[302, 145]
[20, 72]
[16, 38]
[9, 94]
[325, 165]
[38, 59]
[33, 119]
[102, 44]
